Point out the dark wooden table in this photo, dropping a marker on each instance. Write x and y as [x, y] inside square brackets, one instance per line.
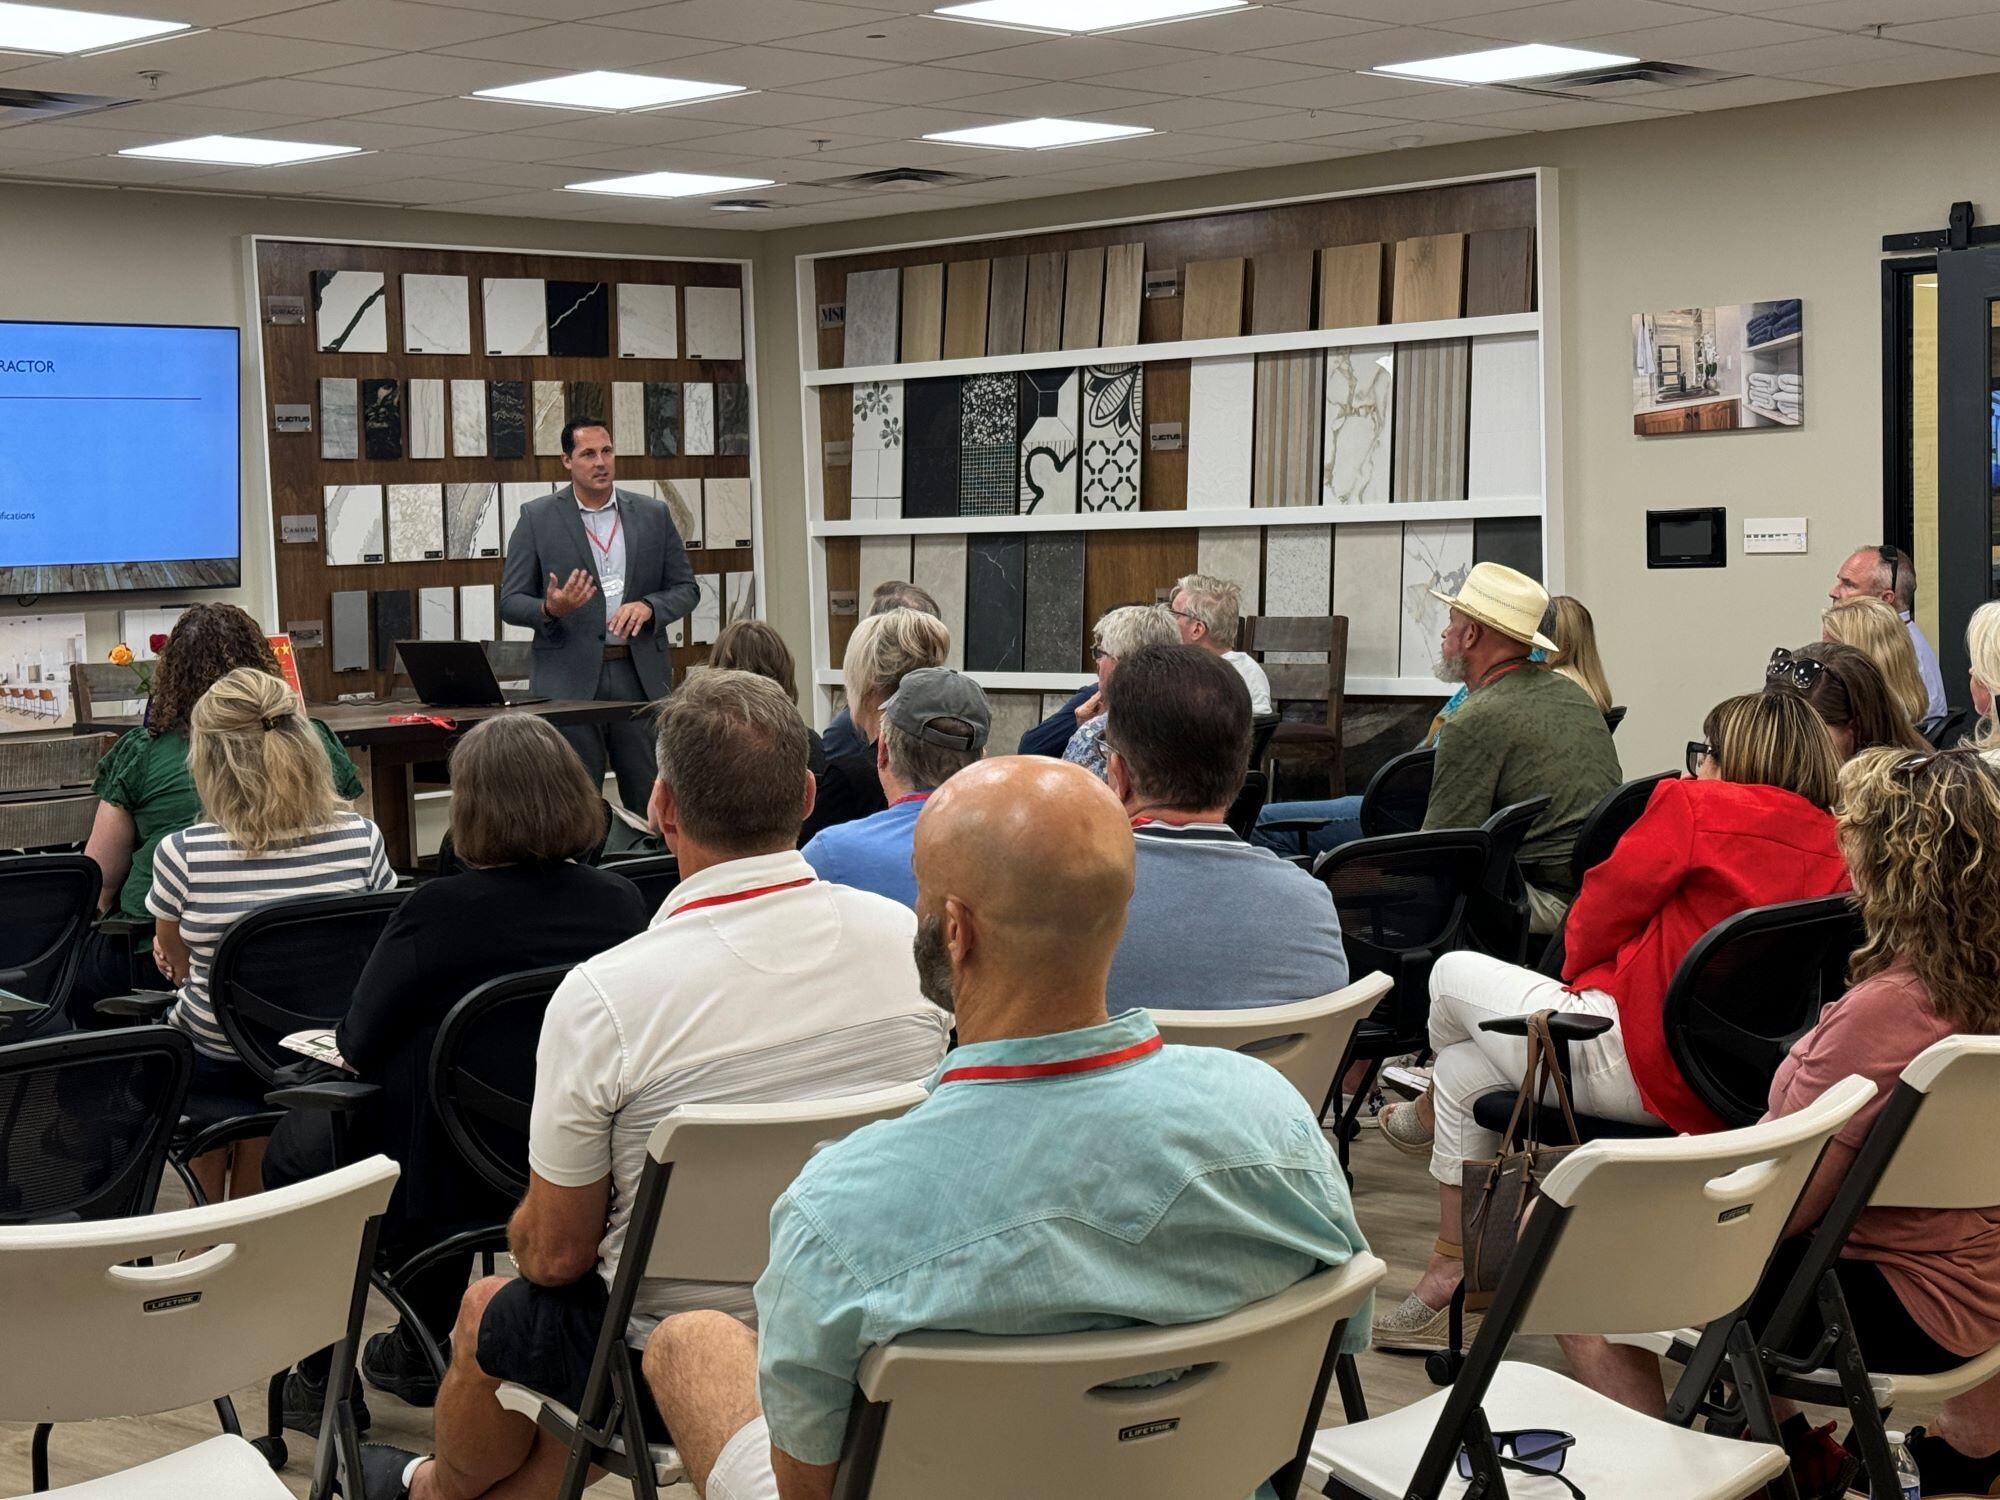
[383, 753]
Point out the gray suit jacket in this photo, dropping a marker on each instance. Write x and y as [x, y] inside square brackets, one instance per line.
[569, 652]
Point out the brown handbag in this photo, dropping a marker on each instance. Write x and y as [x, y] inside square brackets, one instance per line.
[1500, 1190]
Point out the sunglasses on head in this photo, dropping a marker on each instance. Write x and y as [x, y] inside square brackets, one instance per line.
[1800, 671]
[1529, 1450]
[1890, 555]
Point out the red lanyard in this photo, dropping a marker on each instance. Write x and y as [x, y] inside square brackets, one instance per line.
[762, 890]
[909, 797]
[1503, 669]
[604, 547]
[1009, 1072]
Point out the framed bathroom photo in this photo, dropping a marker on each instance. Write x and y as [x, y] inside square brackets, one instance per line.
[1718, 369]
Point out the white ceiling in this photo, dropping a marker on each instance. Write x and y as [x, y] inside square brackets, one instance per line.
[843, 88]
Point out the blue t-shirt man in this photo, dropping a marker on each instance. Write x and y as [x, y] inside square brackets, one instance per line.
[872, 853]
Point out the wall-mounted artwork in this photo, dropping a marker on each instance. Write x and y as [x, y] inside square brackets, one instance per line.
[1718, 369]
[37, 653]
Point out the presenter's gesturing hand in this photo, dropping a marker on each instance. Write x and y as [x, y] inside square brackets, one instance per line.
[561, 598]
[630, 619]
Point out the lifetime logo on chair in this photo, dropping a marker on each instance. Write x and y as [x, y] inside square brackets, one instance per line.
[1147, 1429]
[171, 1304]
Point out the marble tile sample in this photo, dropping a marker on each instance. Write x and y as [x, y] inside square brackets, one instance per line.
[1114, 406]
[1042, 329]
[1350, 286]
[347, 633]
[647, 327]
[515, 312]
[1235, 553]
[1360, 403]
[339, 417]
[932, 422]
[698, 419]
[1367, 588]
[663, 419]
[437, 613]
[1049, 449]
[1281, 292]
[1298, 578]
[1124, 292]
[883, 559]
[579, 314]
[1053, 633]
[1011, 715]
[475, 611]
[732, 419]
[725, 506]
[1221, 396]
[416, 522]
[1006, 304]
[989, 462]
[714, 322]
[1512, 541]
[352, 526]
[471, 520]
[1285, 439]
[588, 401]
[1504, 441]
[875, 476]
[546, 422]
[874, 304]
[937, 566]
[427, 419]
[1499, 272]
[1083, 297]
[1433, 384]
[966, 284]
[739, 597]
[683, 502]
[1212, 299]
[381, 419]
[706, 622]
[649, 488]
[395, 622]
[1429, 279]
[994, 603]
[508, 409]
[923, 312]
[628, 417]
[437, 314]
[1436, 555]
[468, 419]
[350, 312]
[513, 495]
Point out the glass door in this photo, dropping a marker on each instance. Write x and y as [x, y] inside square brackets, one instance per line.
[1968, 450]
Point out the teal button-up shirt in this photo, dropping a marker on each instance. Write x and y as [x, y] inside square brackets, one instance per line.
[1175, 1186]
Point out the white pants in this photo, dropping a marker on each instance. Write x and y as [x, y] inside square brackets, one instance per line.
[743, 1467]
[1467, 988]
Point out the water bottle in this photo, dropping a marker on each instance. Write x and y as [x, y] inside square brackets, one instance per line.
[1907, 1483]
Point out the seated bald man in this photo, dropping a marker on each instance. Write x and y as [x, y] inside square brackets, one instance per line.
[1067, 1172]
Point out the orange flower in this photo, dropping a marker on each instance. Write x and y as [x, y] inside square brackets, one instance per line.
[121, 655]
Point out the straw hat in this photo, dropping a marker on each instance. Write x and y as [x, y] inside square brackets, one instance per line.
[1503, 600]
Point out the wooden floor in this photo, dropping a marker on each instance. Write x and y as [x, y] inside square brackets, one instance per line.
[1394, 1197]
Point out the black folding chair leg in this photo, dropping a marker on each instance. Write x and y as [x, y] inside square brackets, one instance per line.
[225, 1413]
[1754, 1390]
[38, 1456]
[272, 1444]
[631, 1393]
[393, 1295]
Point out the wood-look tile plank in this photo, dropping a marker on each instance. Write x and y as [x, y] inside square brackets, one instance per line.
[1433, 396]
[1124, 290]
[1350, 285]
[965, 289]
[1430, 278]
[1083, 297]
[1212, 299]
[923, 312]
[1286, 428]
[1133, 567]
[1499, 272]
[1006, 304]
[1042, 331]
[1281, 292]
[1163, 474]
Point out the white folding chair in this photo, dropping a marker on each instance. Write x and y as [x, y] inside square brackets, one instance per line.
[95, 1333]
[1628, 1235]
[702, 1212]
[1304, 1040]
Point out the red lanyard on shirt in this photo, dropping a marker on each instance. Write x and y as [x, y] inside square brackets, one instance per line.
[604, 547]
[1503, 669]
[910, 797]
[1010, 1072]
[725, 900]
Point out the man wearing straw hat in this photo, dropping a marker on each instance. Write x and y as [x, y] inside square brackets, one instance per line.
[1524, 731]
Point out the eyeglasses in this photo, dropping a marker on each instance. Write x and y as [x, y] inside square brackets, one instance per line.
[1697, 751]
[1529, 1450]
[1800, 671]
[1098, 653]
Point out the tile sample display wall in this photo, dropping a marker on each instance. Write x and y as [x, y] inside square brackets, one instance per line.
[587, 401]
[1221, 397]
[381, 419]
[628, 416]
[726, 513]
[352, 524]
[1124, 290]
[1286, 437]
[1114, 400]
[1048, 421]
[1360, 403]
[876, 464]
[516, 314]
[471, 520]
[1350, 286]
[714, 322]
[475, 611]
[965, 292]
[579, 319]
[1043, 330]
[874, 305]
[1433, 389]
[546, 423]
[1298, 577]
[706, 621]
[1512, 541]
[732, 419]
[1367, 588]
[426, 419]
[347, 630]
[1053, 633]
[989, 461]
[739, 597]
[1504, 446]
[938, 568]
[683, 502]
[437, 314]
[1006, 304]
[339, 417]
[883, 558]
[1436, 555]
[933, 420]
[1429, 278]
[395, 613]
[416, 522]
[437, 613]
[994, 605]
[350, 312]
[646, 323]
[1236, 555]
[663, 418]
[1282, 292]
[923, 312]
[698, 419]
[507, 406]
[1212, 299]
[1083, 297]
[514, 495]
[468, 419]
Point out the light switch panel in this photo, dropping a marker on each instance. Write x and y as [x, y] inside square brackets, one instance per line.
[1774, 534]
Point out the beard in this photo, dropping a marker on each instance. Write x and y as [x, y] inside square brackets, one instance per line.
[1452, 669]
[933, 963]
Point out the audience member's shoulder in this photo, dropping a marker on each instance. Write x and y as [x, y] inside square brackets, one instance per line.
[871, 916]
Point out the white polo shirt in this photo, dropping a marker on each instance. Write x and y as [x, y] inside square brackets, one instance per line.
[756, 981]
[1253, 678]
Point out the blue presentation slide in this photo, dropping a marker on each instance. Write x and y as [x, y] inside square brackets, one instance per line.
[117, 444]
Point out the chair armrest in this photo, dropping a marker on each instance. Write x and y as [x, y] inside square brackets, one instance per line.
[1292, 825]
[152, 1005]
[114, 925]
[1562, 1026]
[333, 1096]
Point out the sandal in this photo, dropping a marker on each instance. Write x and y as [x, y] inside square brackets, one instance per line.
[1414, 1327]
[1402, 1129]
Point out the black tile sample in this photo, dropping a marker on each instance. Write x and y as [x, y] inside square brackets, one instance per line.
[931, 422]
[663, 418]
[381, 419]
[1514, 541]
[994, 605]
[395, 620]
[507, 419]
[589, 401]
[579, 319]
[732, 418]
[349, 642]
[1054, 612]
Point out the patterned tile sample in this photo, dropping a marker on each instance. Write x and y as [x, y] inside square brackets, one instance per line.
[588, 401]
[1124, 291]
[1221, 396]
[739, 597]
[994, 603]
[508, 409]
[1042, 330]
[416, 522]
[395, 622]
[1049, 450]
[966, 284]
[1504, 444]
[1512, 541]
[883, 559]
[646, 322]
[348, 630]
[468, 419]
[1114, 431]
[1367, 588]
[1234, 553]
[548, 418]
[437, 613]
[339, 418]
[475, 611]
[683, 502]
[1282, 292]
[1298, 577]
[628, 417]
[706, 622]
[1006, 304]
[874, 303]
[427, 419]
[579, 319]
[1054, 611]
[923, 312]
[725, 505]
[516, 314]
[352, 527]
[1083, 297]
[1436, 555]
[698, 419]
[1360, 404]
[1429, 279]
[876, 473]
[471, 520]
[663, 418]
[732, 419]
[1350, 285]
[1285, 440]
[714, 322]
[937, 566]
[350, 312]
[932, 422]
[437, 314]
[1212, 299]
[1433, 384]
[381, 419]
[514, 495]
[989, 460]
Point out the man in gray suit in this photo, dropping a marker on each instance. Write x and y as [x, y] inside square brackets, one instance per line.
[599, 574]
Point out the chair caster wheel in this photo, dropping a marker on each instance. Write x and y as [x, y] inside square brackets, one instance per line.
[1443, 1368]
[273, 1450]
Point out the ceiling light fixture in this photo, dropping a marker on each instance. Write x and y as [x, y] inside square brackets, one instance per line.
[609, 93]
[44, 28]
[240, 151]
[1503, 64]
[1038, 135]
[667, 185]
[1069, 18]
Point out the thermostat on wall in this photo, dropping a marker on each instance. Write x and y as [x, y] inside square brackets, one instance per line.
[1686, 538]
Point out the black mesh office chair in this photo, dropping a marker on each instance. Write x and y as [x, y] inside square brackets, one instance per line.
[1397, 795]
[655, 875]
[1613, 717]
[1945, 732]
[46, 905]
[1242, 814]
[1602, 828]
[1498, 919]
[483, 1074]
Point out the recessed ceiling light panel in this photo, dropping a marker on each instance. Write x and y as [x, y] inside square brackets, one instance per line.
[1038, 135]
[1504, 64]
[609, 92]
[240, 151]
[668, 185]
[46, 28]
[1090, 16]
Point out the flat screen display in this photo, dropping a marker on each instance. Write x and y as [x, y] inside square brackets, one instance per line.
[119, 458]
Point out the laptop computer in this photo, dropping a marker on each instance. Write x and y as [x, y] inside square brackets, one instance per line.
[456, 674]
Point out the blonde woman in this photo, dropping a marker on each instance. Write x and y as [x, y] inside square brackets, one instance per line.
[1874, 629]
[274, 829]
[882, 650]
[1982, 646]
[1119, 633]
[1576, 657]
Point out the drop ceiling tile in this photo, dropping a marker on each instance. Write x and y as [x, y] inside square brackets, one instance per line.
[654, 128]
[1824, 50]
[1927, 65]
[580, 47]
[481, 147]
[1568, 115]
[1197, 114]
[734, 21]
[421, 190]
[772, 107]
[889, 152]
[1853, 15]
[1085, 56]
[915, 39]
[22, 159]
[1566, 20]
[433, 74]
[501, 175]
[1415, 104]
[1271, 154]
[915, 84]
[543, 10]
[187, 64]
[1063, 100]
[127, 169]
[373, 135]
[1736, 93]
[1404, 12]
[1967, 33]
[780, 142]
[1211, 75]
[910, 122]
[1299, 125]
[1695, 37]
[318, 101]
[1331, 90]
[175, 120]
[413, 26]
[780, 67]
[1370, 49]
[469, 115]
[1251, 30]
[1407, 134]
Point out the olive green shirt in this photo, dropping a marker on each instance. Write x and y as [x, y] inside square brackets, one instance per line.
[1527, 732]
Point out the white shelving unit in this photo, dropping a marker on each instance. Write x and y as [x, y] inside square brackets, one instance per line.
[1779, 356]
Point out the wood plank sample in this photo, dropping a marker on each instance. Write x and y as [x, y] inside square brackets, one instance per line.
[1083, 298]
[873, 301]
[843, 576]
[1163, 472]
[1289, 416]
[1212, 299]
[1430, 278]
[1433, 393]
[1042, 330]
[965, 308]
[1054, 613]
[923, 312]
[1006, 304]
[1350, 286]
[1132, 567]
[994, 603]
[1124, 292]
[1282, 292]
[1499, 272]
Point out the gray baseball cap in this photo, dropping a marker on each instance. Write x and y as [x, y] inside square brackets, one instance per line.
[930, 695]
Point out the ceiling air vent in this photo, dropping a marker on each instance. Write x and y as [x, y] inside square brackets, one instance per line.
[900, 180]
[1619, 79]
[25, 106]
[742, 205]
